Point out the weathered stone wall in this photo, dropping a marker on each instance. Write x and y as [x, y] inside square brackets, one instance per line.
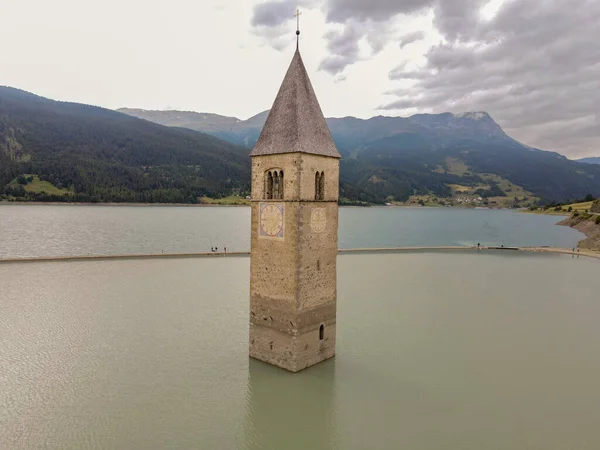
[289, 351]
[309, 166]
[317, 252]
[273, 262]
[293, 280]
[289, 163]
[310, 350]
[299, 175]
[273, 289]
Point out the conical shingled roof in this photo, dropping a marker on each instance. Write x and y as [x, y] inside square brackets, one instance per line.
[296, 122]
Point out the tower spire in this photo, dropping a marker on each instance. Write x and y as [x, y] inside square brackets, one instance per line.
[297, 16]
[295, 123]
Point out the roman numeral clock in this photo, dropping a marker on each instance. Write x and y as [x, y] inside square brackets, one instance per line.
[271, 220]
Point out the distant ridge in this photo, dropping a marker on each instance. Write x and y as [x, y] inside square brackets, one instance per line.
[246, 132]
[396, 157]
[90, 154]
[593, 160]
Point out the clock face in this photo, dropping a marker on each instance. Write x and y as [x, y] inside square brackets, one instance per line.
[271, 220]
[318, 220]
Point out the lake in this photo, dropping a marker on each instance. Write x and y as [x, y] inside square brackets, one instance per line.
[57, 230]
[435, 351]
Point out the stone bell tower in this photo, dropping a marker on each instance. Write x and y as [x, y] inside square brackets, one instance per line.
[295, 178]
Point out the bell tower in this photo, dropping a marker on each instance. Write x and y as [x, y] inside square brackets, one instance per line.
[295, 179]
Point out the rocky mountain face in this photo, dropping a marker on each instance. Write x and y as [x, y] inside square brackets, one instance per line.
[350, 133]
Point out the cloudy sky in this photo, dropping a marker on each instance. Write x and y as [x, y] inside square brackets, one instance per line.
[533, 65]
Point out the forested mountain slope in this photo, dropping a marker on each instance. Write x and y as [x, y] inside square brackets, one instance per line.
[60, 151]
[97, 154]
[392, 158]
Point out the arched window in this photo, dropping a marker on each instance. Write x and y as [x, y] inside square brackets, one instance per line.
[275, 185]
[322, 332]
[322, 186]
[268, 185]
[317, 176]
[280, 185]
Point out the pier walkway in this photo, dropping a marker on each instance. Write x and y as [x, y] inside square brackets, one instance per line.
[566, 251]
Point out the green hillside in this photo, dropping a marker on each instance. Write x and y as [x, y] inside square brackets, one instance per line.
[84, 153]
[400, 159]
[74, 152]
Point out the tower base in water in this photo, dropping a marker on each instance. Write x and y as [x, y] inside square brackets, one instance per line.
[283, 344]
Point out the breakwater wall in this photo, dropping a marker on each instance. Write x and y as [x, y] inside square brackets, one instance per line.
[566, 251]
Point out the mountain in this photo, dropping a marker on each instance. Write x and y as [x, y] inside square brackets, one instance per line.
[349, 132]
[86, 153]
[61, 151]
[231, 129]
[593, 160]
[426, 154]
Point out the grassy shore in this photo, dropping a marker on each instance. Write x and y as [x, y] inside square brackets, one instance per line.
[232, 200]
[38, 186]
[191, 205]
[563, 210]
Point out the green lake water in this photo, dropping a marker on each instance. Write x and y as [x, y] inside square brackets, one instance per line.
[53, 230]
[448, 351]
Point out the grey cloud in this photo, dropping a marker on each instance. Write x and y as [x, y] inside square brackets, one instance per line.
[343, 49]
[411, 37]
[343, 43]
[269, 20]
[378, 10]
[403, 103]
[272, 14]
[335, 64]
[575, 135]
[399, 73]
[360, 19]
[373, 18]
[535, 68]
[378, 40]
[457, 18]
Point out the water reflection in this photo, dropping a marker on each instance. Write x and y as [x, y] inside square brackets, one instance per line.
[291, 411]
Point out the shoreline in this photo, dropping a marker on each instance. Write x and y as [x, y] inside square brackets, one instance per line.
[206, 205]
[191, 205]
[590, 253]
[589, 229]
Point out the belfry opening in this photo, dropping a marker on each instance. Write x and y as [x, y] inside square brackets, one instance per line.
[274, 185]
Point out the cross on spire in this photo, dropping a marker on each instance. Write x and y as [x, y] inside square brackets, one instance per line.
[297, 16]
